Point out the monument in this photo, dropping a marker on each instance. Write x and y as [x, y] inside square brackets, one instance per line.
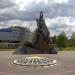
[41, 43]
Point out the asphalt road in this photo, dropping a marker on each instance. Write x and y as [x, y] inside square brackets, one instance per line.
[65, 64]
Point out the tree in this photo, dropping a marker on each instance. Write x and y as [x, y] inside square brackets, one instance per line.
[62, 39]
[72, 40]
[55, 39]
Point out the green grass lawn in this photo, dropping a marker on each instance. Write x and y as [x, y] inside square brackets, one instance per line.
[7, 49]
[68, 49]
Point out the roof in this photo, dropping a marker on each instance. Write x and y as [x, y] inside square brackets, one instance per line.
[6, 30]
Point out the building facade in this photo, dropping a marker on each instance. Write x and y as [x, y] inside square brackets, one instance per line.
[13, 34]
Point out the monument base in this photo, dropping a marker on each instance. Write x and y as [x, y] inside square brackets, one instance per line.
[29, 50]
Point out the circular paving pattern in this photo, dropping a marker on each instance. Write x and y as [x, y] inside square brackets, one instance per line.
[34, 61]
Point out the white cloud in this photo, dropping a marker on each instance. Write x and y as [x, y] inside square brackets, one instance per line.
[56, 25]
[61, 1]
[59, 14]
[22, 3]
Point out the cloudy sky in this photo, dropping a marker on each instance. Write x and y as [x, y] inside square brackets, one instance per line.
[59, 14]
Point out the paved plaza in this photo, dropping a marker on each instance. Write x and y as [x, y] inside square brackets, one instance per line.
[65, 64]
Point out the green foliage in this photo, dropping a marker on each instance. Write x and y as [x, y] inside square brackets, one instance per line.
[55, 39]
[61, 40]
[72, 40]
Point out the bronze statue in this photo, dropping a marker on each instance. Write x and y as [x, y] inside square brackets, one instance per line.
[42, 34]
[42, 42]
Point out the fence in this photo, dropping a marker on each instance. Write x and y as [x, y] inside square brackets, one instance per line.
[10, 45]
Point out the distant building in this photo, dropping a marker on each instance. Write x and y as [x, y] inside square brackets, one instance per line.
[29, 37]
[14, 34]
